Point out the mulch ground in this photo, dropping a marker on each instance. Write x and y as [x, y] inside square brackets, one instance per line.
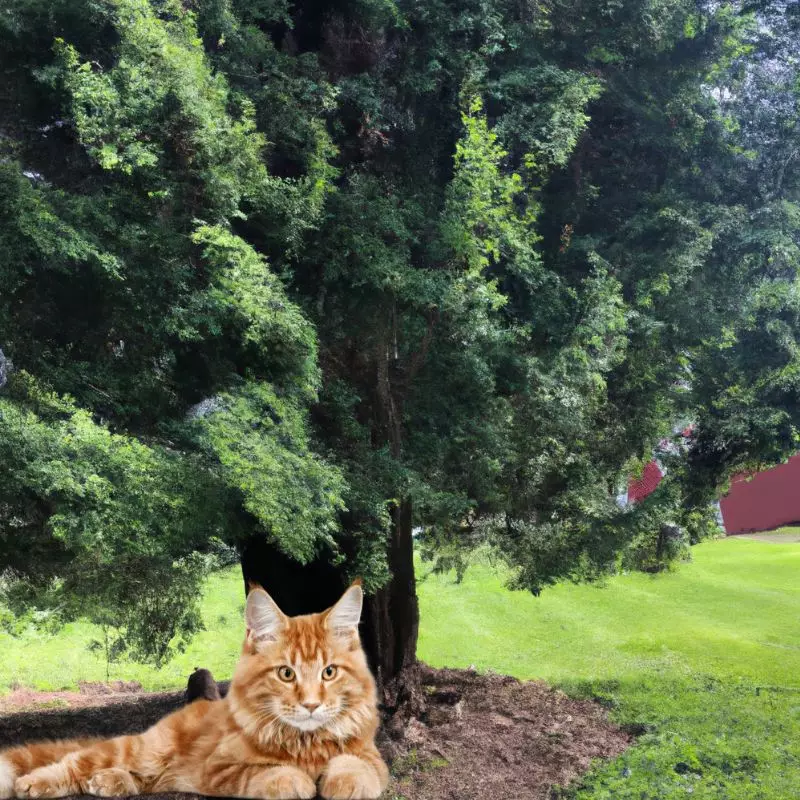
[481, 737]
[491, 737]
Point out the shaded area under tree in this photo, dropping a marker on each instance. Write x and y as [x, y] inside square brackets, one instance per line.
[482, 737]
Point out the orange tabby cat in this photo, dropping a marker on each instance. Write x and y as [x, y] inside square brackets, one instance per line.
[300, 715]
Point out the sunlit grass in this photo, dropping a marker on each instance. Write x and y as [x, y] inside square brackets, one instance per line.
[705, 660]
[734, 611]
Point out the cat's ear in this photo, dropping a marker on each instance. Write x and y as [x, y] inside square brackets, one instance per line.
[264, 619]
[342, 620]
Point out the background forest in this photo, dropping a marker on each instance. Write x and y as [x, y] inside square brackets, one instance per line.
[319, 273]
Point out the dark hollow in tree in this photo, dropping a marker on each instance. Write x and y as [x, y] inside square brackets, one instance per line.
[390, 621]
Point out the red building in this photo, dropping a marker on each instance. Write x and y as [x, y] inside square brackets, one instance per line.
[759, 502]
[639, 488]
[763, 501]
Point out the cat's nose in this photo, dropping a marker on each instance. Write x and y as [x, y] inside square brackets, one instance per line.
[311, 707]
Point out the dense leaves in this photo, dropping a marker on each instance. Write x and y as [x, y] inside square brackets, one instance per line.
[280, 269]
[130, 298]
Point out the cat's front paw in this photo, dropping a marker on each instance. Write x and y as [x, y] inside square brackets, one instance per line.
[349, 778]
[113, 782]
[288, 783]
[33, 786]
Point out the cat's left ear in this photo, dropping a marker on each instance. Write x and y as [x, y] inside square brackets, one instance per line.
[342, 620]
[264, 619]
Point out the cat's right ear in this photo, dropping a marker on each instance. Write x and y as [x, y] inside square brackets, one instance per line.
[264, 619]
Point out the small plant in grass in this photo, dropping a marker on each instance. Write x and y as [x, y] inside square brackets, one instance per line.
[110, 646]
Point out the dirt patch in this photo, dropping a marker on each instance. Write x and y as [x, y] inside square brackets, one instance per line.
[487, 737]
[481, 737]
[88, 694]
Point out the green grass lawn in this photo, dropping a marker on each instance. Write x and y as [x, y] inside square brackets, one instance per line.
[785, 534]
[792, 530]
[702, 661]
[59, 662]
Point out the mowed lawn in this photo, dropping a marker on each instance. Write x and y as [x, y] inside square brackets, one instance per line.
[702, 663]
[60, 662]
[733, 612]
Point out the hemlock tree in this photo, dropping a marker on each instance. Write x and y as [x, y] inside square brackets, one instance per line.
[164, 375]
[295, 278]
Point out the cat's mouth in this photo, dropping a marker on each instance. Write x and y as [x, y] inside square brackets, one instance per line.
[308, 723]
[310, 720]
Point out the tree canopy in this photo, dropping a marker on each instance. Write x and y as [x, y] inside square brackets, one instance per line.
[277, 269]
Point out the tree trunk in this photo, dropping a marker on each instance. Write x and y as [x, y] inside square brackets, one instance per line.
[391, 618]
[390, 622]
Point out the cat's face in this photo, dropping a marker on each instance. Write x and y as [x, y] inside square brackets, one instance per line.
[306, 672]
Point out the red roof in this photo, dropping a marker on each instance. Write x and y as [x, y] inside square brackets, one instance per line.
[639, 488]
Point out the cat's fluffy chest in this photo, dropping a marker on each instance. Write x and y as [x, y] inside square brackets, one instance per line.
[221, 740]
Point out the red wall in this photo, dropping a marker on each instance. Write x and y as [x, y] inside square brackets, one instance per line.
[767, 500]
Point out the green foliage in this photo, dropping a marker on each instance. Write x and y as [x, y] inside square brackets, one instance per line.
[544, 112]
[479, 205]
[162, 620]
[245, 299]
[81, 503]
[160, 94]
[260, 442]
[127, 291]
[278, 269]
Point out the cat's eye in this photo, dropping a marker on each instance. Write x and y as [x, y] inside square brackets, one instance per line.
[286, 674]
[329, 673]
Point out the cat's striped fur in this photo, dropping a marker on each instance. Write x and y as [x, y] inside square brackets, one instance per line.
[300, 716]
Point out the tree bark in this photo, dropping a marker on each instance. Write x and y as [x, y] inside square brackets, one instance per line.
[391, 618]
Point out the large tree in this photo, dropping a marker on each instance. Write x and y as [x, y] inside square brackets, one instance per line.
[295, 278]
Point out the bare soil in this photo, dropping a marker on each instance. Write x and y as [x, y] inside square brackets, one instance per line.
[480, 737]
[89, 694]
[491, 737]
